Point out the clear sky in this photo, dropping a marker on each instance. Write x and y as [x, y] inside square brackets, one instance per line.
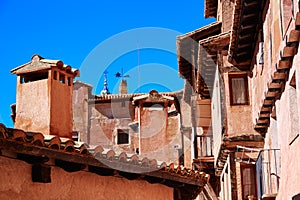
[93, 36]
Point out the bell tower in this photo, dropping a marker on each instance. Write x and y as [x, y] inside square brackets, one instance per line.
[44, 96]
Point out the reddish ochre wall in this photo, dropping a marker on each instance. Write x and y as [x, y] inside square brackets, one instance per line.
[237, 113]
[32, 105]
[282, 131]
[81, 114]
[45, 105]
[61, 118]
[153, 129]
[16, 183]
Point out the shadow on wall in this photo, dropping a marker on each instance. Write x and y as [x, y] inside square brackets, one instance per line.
[296, 197]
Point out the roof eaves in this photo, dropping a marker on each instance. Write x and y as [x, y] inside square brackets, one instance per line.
[210, 8]
[207, 28]
[13, 71]
[234, 29]
[37, 144]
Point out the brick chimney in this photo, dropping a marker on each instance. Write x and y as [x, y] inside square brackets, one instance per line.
[44, 97]
[123, 87]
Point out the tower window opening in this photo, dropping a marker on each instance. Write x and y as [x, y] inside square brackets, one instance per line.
[61, 78]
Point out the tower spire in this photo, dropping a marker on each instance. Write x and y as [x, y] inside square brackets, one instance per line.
[105, 85]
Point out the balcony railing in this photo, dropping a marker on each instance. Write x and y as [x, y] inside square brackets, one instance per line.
[203, 146]
[268, 173]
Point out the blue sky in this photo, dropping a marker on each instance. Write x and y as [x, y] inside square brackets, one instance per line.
[82, 34]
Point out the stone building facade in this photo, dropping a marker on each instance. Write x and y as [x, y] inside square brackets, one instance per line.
[245, 64]
[146, 124]
[40, 157]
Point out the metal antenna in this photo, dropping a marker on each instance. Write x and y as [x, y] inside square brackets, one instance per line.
[139, 75]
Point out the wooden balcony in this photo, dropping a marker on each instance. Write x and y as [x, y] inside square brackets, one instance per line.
[203, 151]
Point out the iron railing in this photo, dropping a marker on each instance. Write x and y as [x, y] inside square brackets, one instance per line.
[268, 172]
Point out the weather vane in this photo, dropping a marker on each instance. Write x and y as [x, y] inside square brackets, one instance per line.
[121, 75]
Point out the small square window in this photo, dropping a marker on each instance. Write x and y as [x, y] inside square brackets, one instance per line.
[75, 136]
[238, 87]
[123, 136]
[123, 104]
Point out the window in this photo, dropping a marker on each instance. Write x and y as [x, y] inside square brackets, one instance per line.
[75, 136]
[22, 79]
[123, 104]
[261, 47]
[238, 87]
[31, 77]
[248, 181]
[61, 78]
[55, 75]
[123, 136]
[69, 80]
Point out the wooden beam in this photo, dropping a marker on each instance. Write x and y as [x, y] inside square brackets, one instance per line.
[266, 109]
[268, 102]
[297, 21]
[289, 51]
[279, 76]
[263, 121]
[271, 95]
[264, 115]
[276, 85]
[294, 36]
[284, 65]
[251, 144]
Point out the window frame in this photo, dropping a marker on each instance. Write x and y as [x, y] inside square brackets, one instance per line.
[245, 166]
[245, 77]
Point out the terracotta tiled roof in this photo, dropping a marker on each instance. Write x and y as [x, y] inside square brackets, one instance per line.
[74, 156]
[39, 63]
[108, 97]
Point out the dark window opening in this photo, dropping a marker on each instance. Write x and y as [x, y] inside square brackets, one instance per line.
[123, 136]
[238, 87]
[75, 136]
[123, 104]
[61, 78]
[33, 77]
[261, 47]
[21, 79]
[55, 75]
[69, 80]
